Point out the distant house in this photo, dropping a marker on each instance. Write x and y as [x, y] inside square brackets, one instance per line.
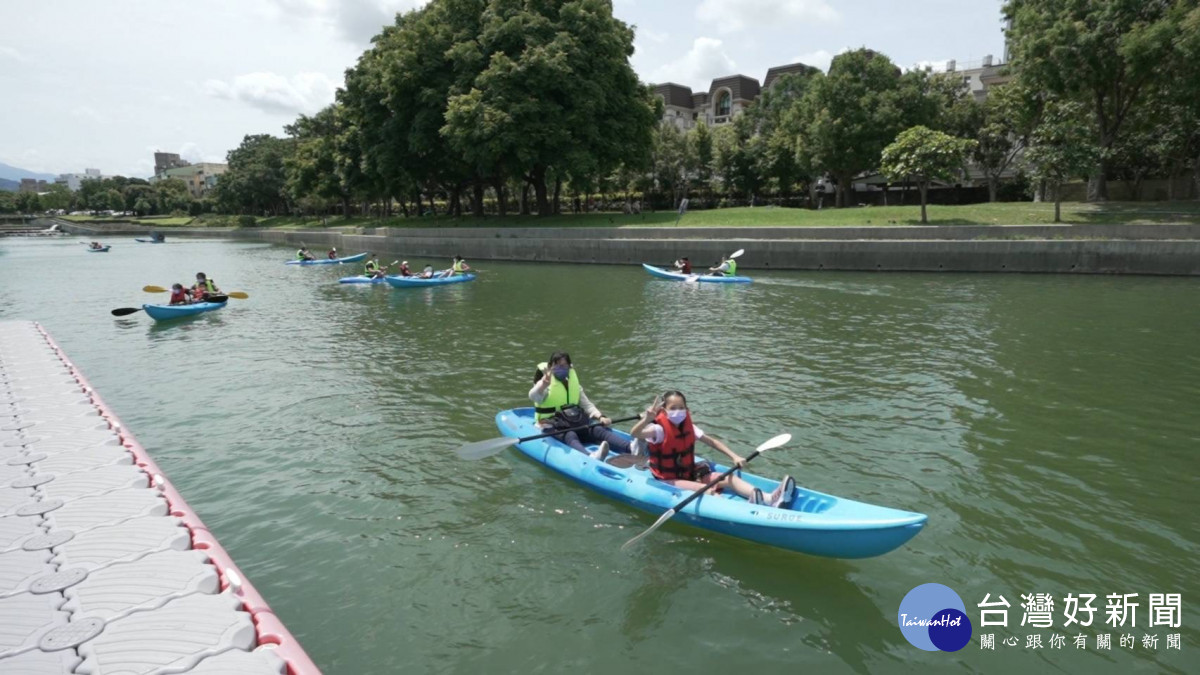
[726, 97]
[74, 180]
[199, 178]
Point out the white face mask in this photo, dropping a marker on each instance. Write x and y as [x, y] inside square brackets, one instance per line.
[677, 416]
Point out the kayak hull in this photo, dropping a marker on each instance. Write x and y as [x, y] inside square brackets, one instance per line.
[330, 261]
[414, 282]
[361, 280]
[102, 249]
[815, 523]
[168, 312]
[149, 241]
[660, 273]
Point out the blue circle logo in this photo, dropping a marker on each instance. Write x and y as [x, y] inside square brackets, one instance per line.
[932, 617]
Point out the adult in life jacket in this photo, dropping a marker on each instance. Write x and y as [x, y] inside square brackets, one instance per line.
[726, 268]
[303, 254]
[559, 403]
[204, 287]
[373, 269]
[457, 266]
[179, 295]
[668, 429]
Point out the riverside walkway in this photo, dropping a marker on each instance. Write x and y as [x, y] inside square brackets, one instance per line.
[103, 566]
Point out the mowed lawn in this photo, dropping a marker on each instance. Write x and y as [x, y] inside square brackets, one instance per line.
[1006, 213]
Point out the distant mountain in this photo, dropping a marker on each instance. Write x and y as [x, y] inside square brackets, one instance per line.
[14, 173]
[10, 185]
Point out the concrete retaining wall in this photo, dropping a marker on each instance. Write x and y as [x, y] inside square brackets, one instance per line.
[1111, 249]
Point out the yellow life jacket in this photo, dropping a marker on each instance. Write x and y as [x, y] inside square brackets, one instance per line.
[558, 396]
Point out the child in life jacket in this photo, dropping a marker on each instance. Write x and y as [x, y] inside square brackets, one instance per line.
[404, 271]
[667, 428]
[179, 295]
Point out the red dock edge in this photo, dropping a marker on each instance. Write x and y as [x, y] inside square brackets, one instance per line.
[271, 630]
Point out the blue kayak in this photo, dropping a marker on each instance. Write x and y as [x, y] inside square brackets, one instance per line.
[815, 523]
[702, 278]
[361, 280]
[102, 249]
[167, 312]
[416, 282]
[330, 261]
[150, 241]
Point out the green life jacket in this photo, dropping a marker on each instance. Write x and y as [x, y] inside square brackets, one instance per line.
[372, 267]
[559, 396]
[458, 267]
[732, 268]
[207, 286]
[300, 254]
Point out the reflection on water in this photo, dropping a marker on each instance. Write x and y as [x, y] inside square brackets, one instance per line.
[1045, 424]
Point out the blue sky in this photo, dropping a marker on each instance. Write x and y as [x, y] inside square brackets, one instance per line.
[99, 84]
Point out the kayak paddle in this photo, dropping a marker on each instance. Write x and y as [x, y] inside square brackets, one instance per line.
[232, 294]
[736, 254]
[779, 440]
[482, 449]
[124, 311]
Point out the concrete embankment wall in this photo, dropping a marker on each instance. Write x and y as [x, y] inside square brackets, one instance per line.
[1094, 249]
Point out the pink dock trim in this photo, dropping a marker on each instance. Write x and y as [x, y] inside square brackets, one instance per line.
[271, 630]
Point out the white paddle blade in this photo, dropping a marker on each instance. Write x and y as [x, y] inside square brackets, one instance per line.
[482, 449]
[781, 439]
[738, 253]
[657, 524]
[695, 278]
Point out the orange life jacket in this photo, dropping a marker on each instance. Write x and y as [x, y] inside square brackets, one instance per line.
[674, 458]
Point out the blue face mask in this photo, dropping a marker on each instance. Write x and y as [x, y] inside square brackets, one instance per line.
[561, 372]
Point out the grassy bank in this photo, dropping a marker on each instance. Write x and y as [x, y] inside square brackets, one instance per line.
[152, 221]
[1009, 213]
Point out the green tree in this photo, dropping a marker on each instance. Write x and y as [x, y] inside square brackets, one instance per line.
[590, 113]
[924, 155]
[256, 180]
[28, 202]
[8, 201]
[700, 141]
[674, 162]
[1061, 147]
[1105, 54]
[57, 196]
[850, 116]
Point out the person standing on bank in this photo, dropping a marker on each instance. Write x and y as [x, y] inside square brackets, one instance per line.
[559, 403]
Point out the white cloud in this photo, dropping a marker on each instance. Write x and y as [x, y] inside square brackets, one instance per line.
[653, 36]
[274, 93]
[14, 54]
[706, 60]
[734, 15]
[89, 113]
[356, 21]
[819, 59]
[935, 66]
[192, 152]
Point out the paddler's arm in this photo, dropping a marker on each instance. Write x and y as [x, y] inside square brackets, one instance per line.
[711, 442]
[639, 429]
[591, 409]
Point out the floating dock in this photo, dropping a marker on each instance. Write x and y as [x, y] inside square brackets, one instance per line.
[104, 568]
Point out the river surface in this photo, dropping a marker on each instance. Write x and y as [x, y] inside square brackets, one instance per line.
[1048, 425]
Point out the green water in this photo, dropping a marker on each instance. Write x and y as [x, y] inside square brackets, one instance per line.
[1046, 424]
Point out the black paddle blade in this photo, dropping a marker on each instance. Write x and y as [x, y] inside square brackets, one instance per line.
[124, 311]
[218, 298]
